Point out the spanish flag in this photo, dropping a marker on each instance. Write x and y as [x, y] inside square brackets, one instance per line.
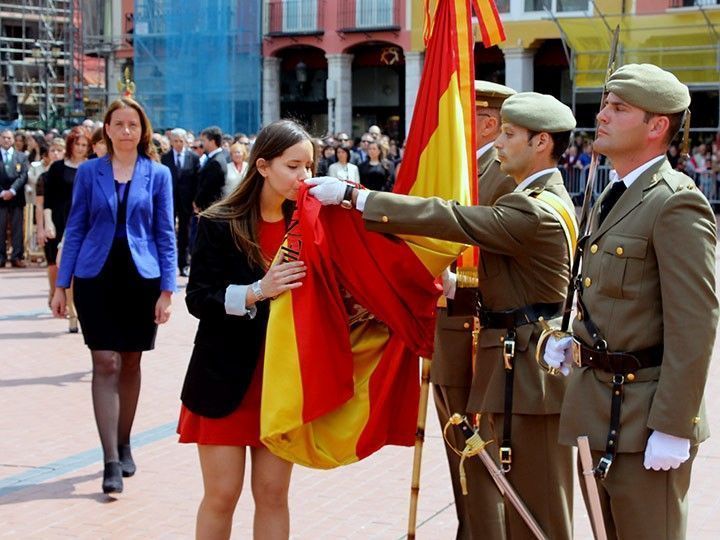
[340, 376]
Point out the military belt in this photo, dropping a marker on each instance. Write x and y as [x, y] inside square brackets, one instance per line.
[622, 365]
[511, 319]
[620, 362]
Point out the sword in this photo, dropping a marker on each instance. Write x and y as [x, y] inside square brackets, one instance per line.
[588, 472]
[584, 223]
[476, 446]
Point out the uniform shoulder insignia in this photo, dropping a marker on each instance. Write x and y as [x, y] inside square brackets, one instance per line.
[675, 179]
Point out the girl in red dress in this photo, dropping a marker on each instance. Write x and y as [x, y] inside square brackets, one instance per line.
[231, 278]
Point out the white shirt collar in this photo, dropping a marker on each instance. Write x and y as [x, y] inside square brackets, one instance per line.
[530, 179]
[216, 151]
[635, 173]
[484, 149]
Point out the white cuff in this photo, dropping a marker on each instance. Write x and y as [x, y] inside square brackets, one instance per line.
[361, 198]
[235, 298]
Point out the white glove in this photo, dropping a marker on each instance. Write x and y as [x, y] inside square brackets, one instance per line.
[327, 190]
[558, 354]
[449, 283]
[665, 452]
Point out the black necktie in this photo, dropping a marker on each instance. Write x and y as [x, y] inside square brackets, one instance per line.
[612, 196]
[177, 161]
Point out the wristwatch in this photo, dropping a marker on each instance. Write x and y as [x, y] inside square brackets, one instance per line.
[257, 291]
[347, 198]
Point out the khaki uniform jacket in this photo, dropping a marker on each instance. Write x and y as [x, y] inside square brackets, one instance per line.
[524, 261]
[649, 279]
[452, 362]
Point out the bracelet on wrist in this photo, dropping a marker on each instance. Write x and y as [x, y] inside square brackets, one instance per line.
[256, 288]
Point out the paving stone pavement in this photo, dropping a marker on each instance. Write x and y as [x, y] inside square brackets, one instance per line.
[50, 461]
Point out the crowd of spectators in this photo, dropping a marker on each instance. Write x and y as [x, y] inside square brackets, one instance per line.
[702, 163]
[205, 167]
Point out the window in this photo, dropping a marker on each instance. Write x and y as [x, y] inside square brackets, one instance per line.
[299, 15]
[373, 13]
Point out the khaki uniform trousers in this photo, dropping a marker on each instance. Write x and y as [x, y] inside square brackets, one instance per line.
[641, 504]
[541, 473]
[480, 513]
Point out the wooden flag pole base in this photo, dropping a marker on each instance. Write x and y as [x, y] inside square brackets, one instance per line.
[419, 440]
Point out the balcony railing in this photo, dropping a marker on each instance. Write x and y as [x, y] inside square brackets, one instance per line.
[295, 17]
[556, 6]
[368, 15]
[691, 3]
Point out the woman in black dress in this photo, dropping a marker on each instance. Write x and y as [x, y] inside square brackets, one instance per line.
[119, 250]
[57, 191]
[377, 173]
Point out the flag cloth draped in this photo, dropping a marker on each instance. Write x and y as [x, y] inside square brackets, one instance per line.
[340, 375]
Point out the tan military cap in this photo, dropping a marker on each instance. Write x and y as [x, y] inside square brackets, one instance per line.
[489, 94]
[650, 88]
[537, 112]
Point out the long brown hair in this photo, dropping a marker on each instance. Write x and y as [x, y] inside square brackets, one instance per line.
[145, 146]
[242, 207]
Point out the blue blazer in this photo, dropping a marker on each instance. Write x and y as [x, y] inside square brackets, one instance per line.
[90, 228]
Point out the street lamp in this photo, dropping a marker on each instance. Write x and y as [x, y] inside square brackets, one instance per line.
[41, 54]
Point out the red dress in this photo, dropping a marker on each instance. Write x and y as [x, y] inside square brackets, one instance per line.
[242, 426]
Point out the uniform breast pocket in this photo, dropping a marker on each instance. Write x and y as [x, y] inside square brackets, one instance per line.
[622, 265]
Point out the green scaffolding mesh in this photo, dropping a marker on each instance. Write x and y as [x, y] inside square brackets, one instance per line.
[198, 63]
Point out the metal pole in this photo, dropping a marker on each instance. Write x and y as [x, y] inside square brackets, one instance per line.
[47, 91]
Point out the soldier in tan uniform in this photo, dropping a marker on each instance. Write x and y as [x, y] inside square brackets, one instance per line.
[480, 513]
[523, 276]
[647, 314]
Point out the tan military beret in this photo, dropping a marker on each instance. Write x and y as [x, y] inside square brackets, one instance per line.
[650, 88]
[537, 112]
[489, 94]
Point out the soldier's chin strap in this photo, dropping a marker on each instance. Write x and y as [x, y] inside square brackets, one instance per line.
[473, 446]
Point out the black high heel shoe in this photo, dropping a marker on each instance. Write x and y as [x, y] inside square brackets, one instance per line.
[112, 478]
[126, 460]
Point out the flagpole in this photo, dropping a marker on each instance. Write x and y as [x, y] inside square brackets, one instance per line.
[419, 440]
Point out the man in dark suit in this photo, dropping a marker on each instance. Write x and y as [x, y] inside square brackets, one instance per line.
[184, 166]
[211, 178]
[13, 177]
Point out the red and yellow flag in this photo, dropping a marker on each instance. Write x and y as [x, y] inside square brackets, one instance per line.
[340, 376]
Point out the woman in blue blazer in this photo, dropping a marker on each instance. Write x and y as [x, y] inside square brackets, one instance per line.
[119, 252]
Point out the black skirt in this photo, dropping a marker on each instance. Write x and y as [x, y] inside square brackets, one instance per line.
[116, 308]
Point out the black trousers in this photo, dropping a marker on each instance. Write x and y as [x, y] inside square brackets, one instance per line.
[183, 237]
[14, 216]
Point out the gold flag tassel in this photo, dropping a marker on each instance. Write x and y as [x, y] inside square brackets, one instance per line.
[473, 446]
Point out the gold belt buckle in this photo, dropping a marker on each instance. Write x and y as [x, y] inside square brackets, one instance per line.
[576, 353]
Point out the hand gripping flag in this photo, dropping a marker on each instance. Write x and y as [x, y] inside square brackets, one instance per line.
[340, 377]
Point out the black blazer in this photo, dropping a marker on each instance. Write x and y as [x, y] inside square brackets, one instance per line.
[13, 174]
[226, 346]
[185, 179]
[211, 180]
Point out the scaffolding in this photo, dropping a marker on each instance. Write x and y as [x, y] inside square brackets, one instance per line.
[685, 41]
[37, 55]
[202, 69]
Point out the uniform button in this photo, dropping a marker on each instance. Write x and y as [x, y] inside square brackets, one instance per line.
[502, 339]
[630, 377]
[466, 325]
[579, 316]
[619, 250]
[587, 282]
[593, 248]
[696, 420]
[385, 219]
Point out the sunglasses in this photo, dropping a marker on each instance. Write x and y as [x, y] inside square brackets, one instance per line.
[196, 146]
[366, 141]
[343, 140]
